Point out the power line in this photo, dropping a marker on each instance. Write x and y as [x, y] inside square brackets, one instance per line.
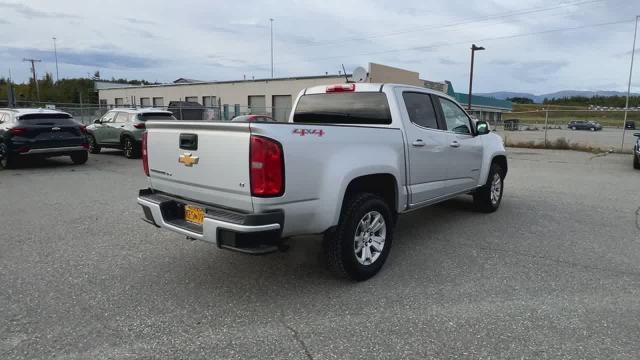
[471, 40]
[465, 21]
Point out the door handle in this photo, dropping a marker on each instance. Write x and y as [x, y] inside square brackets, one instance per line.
[418, 143]
[455, 144]
[121, 125]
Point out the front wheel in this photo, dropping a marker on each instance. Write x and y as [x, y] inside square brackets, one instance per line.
[94, 148]
[360, 244]
[80, 158]
[573, 128]
[488, 197]
[593, 129]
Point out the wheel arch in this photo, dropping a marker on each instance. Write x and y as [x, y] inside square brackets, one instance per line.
[384, 185]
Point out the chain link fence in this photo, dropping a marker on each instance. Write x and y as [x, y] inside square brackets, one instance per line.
[593, 130]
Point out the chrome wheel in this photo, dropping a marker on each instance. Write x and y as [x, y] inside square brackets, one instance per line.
[128, 148]
[496, 189]
[369, 238]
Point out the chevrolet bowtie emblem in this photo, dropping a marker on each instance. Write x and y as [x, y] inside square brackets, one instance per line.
[188, 160]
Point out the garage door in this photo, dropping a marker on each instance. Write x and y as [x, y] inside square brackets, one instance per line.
[281, 107]
[257, 104]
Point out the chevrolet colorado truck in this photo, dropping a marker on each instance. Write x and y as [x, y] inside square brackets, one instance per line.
[349, 160]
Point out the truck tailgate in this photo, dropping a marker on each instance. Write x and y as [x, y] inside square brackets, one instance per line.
[203, 161]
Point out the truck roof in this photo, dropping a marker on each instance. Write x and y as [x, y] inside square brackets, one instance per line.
[141, 110]
[374, 87]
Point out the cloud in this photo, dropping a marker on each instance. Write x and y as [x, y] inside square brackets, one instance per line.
[532, 71]
[31, 13]
[447, 61]
[139, 21]
[97, 59]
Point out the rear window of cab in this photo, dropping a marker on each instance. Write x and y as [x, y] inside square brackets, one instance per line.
[343, 108]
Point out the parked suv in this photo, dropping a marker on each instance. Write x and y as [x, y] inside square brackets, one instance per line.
[636, 152]
[584, 125]
[40, 133]
[122, 129]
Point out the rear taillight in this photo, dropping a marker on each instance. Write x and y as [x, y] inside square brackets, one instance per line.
[266, 167]
[139, 126]
[341, 88]
[145, 157]
[18, 131]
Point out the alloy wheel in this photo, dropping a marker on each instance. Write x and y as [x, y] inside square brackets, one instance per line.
[370, 237]
[496, 189]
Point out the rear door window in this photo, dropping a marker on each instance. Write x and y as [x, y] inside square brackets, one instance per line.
[420, 109]
[343, 108]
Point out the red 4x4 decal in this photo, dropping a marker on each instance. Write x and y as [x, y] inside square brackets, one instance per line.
[303, 132]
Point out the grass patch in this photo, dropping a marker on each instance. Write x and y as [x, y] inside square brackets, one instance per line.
[557, 144]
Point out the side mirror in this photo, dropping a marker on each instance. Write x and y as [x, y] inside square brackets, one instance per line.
[482, 128]
[97, 121]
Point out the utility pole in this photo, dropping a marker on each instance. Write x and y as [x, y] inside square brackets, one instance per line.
[33, 71]
[626, 106]
[55, 52]
[271, 20]
[474, 48]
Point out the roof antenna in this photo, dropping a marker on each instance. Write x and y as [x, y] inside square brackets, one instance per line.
[346, 78]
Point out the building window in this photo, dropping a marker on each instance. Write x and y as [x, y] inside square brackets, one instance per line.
[209, 101]
[193, 99]
[119, 102]
[145, 102]
[103, 102]
[158, 102]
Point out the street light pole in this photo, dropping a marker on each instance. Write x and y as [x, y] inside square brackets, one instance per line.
[271, 21]
[474, 48]
[626, 106]
[33, 71]
[55, 52]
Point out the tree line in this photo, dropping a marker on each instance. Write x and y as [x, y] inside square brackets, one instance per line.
[598, 100]
[62, 91]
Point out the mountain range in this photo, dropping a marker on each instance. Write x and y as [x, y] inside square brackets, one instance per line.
[558, 94]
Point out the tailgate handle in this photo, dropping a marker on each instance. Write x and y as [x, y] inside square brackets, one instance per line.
[189, 141]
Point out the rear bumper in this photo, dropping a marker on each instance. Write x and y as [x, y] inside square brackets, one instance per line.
[226, 228]
[56, 150]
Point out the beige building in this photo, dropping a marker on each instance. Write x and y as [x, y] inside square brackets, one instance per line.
[229, 98]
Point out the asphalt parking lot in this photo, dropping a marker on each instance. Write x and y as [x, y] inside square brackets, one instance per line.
[555, 273]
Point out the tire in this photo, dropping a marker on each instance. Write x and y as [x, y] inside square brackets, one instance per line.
[94, 148]
[130, 148]
[80, 158]
[341, 245]
[573, 128]
[593, 129]
[487, 199]
[636, 161]
[7, 161]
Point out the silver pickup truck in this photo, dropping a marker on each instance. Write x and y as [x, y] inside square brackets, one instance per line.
[349, 160]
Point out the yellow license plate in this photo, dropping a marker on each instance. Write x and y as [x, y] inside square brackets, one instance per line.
[194, 214]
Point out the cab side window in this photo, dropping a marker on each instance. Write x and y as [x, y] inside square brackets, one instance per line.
[420, 109]
[455, 118]
[121, 117]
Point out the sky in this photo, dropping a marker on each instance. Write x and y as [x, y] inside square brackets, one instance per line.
[537, 46]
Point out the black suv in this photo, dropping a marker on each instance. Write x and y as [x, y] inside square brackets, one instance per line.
[636, 152]
[584, 125]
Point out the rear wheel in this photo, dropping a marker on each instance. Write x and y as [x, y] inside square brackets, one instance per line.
[592, 129]
[573, 128]
[636, 161]
[130, 148]
[94, 148]
[7, 161]
[80, 157]
[488, 197]
[360, 244]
